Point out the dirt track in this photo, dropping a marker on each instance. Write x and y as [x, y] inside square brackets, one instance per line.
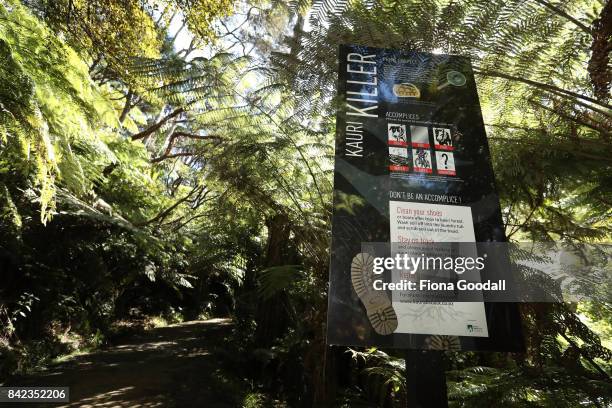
[174, 366]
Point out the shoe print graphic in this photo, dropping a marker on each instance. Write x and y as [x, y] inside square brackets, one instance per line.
[376, 302]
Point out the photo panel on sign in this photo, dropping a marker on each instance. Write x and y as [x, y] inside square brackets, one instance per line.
[396, 134]
[442, 139]
[419, 136]
[398, 159]
[445, 163]
[422, 160]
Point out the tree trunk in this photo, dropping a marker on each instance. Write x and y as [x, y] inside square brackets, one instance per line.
[272, 316]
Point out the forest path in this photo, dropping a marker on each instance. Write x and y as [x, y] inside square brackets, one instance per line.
[175, 366]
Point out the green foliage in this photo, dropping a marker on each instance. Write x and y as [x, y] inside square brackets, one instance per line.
[555, 178]
[483, 386]
[139, 179]
[50, 114]
[117, 29]
[549, 137]
[383, 377]
[202, 13]
[112, 33]
[81, 205]
[276, 278]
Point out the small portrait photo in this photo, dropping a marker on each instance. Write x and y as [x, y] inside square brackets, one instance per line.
[442, 139]
[419, 135]
[397, 134]
[422, 160]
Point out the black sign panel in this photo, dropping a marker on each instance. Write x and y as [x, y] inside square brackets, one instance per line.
[412, 168]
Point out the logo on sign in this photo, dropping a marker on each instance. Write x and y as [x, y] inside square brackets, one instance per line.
[472, 328]
[406, 90]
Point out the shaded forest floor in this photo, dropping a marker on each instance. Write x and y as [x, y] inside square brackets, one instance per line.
[181, 365]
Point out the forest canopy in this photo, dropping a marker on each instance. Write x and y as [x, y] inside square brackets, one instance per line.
[174, 160]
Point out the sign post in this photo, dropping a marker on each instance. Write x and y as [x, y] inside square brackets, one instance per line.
[413, 183]
[425, 380]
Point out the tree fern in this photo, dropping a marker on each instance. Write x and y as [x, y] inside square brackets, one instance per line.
[53, 103]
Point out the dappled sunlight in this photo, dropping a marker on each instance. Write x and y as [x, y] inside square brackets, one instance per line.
[193, 353]
[167, 161]
[144, 346]
[146, 371]
[121, 397]
[210, 322]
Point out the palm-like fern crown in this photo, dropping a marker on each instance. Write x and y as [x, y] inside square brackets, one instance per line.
[531, 60]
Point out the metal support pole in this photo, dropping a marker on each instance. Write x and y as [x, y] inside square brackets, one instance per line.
[425, 380]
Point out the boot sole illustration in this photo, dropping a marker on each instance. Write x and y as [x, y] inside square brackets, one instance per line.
[377, 304]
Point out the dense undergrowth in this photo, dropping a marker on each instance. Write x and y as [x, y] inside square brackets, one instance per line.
[175, 178]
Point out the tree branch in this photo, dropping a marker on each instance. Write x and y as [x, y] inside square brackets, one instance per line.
[518, 227]
[562, 13]
[153, 128]
[181, 222]
[176, 135]
[597, 126]
[586, 356]
[541, 85]
[127, 107]
[172, 156]
[163, 214]
[571, 149]
[507, 126]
